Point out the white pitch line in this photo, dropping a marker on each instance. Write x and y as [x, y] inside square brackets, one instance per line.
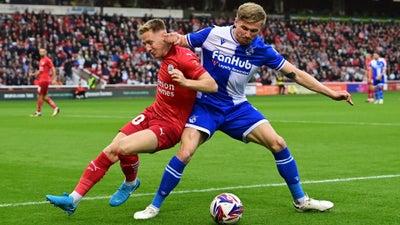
[337, 123]
[99, 116]
[336, 180]
[273, 121]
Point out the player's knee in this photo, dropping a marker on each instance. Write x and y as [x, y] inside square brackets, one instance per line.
[277, 144]
[185, 155]
[112, 151]
[123, 147]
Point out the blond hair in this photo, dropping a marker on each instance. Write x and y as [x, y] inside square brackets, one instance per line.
[153, 25]
[251, 12]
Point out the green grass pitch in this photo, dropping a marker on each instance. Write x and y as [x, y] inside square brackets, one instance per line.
[359, 146]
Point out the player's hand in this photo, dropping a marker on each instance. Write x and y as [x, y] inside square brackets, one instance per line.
[172, 38]
[178, 77]
[343, 95]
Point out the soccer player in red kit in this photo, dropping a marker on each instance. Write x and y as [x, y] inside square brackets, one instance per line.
[43, 80]
[158, 127]
[368, 75]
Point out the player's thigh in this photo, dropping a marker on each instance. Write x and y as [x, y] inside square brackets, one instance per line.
[137, 124]
[241, 120]
[191, 140]
[264, 134]
[43, 88]
[139, 142]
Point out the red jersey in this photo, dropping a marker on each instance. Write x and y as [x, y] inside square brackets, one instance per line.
[45, 68]
[173, 102]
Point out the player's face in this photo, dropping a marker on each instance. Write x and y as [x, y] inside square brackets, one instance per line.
[42, 52]
[154, 43]
[245, 32]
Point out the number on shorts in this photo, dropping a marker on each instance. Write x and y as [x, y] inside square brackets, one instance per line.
[137, 120]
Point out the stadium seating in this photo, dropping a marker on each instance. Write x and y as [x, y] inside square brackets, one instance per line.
[108, 46]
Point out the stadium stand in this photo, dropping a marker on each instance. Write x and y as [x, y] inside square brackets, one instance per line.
[108, 46]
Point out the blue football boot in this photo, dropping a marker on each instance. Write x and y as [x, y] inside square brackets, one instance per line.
[123, 193]
[64, 202]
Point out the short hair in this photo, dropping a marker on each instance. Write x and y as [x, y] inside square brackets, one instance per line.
[251, 12]
[153, 25]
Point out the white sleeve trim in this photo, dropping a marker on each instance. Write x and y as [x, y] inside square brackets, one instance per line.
[188, 41]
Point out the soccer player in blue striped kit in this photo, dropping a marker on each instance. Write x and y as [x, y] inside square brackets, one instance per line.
[378, 69]
[232, 54]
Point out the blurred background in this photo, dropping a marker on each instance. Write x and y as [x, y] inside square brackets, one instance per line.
[97, 39]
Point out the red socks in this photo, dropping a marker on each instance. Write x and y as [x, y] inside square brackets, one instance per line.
[129, 165]
[93, 173]
[39, 104]
[98, 168]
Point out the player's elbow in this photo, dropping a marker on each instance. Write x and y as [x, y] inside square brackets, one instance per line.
[214, 87]
[210, 86]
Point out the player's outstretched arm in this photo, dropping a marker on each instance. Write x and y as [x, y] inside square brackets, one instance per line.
[308, 81]
[176, 39]
[205, 83]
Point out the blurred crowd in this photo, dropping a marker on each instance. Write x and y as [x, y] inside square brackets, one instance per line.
[108, 46]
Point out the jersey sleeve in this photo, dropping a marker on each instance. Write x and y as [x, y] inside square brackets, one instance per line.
[190, 66]
[198, 38]
[50, 63]
[273, 59]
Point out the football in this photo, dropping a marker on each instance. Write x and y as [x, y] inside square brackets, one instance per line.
[226, 208]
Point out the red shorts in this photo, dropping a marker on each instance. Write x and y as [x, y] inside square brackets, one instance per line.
[43, 87]
[168, 134]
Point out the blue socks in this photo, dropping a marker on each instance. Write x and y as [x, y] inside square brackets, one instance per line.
[288, 170]
[171, 177]
[380, 93]
[284, 161]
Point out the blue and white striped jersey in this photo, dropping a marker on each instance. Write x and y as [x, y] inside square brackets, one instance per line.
[378, 67]
[231, 64]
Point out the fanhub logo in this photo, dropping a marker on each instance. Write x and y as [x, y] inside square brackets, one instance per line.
[232, 60]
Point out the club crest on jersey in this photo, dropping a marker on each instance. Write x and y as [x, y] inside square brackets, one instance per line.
[222, 41]
[249, 50]
[170, 68]
[193, 119]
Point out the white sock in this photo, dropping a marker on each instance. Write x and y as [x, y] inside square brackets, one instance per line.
[76, 197]
[302, 199]
[131, 183]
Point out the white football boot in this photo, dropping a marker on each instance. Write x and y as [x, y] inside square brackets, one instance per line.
[150, 212]
[313, 205]
[36, 114]
[56, 111]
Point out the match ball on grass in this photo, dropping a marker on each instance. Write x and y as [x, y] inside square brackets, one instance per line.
[226, 208]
